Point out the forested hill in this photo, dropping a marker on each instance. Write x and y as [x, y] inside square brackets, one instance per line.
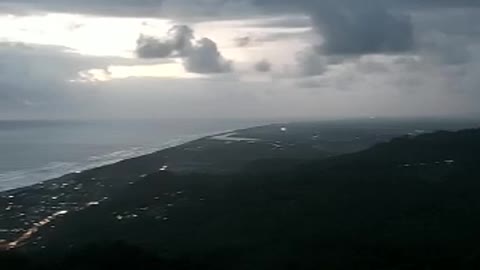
[411, 203]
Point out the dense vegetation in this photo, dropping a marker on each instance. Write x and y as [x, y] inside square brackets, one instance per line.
[411, 203]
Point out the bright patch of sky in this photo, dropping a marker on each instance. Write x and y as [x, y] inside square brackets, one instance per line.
[171, 70]
[117, 36]
[89, 35]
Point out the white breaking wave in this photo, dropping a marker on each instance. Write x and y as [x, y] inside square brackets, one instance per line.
[22, 178]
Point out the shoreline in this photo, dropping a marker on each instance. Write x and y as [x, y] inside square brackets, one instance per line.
[25, 210]
[28, 234]
[222, 134]
[275, 146]
[171, 144]
[227, 136]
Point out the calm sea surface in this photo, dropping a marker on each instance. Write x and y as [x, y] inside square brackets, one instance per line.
[34, 151]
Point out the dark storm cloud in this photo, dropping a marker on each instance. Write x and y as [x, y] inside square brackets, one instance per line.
[199, 56]
[354, 27]
[35, 80]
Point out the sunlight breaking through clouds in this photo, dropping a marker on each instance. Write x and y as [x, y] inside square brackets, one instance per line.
[170, 71]
[116, 38]
[88, 35]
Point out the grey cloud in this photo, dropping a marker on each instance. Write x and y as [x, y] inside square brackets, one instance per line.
[177, 42]
[372, 66]
[311, 83]
[263, 66]
[350, 30]
[205, 9]
[199, 56]
[438, 3]
[28, 85]
[150, 47]
[447, 50]
[299, 5]
[352, 27]
[311, 64]
[449, 36]
[204, 57]
[181, 37]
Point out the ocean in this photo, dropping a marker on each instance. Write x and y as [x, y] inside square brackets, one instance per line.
[35, 151]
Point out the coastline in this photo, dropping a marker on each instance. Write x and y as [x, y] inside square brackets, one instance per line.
[80, 168]
[49, 214]
[218, 153]
[58, 190]
[25, 210]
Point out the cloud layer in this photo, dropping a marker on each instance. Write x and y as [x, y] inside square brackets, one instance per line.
[199, 56]
[323, 57]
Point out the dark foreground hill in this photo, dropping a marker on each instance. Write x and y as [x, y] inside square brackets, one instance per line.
[412, 203]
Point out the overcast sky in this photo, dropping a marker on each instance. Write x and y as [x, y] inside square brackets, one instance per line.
[239, 58]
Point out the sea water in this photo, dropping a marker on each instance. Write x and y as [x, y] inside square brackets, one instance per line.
[35, 151]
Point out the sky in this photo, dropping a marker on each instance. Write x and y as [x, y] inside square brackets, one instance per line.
[275, 59]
